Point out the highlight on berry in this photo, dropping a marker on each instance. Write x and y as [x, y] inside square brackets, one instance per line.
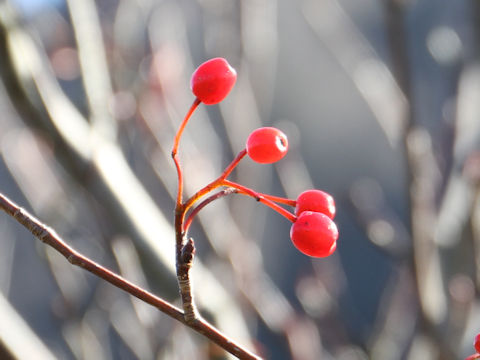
[213, 80]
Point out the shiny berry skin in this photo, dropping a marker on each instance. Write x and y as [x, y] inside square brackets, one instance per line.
[332, 249]
[315, 200]
[314, 234]
[476, 343]
[267, 145]
[212, 81]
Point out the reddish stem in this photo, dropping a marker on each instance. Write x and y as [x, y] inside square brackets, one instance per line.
[215, 183]
[233, 164]
[268, 200]
[176, 143]
[261, 198]
[281, 200]
[204, 203]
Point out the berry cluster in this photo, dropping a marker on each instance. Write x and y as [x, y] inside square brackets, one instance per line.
[313, 231]
[476, 345]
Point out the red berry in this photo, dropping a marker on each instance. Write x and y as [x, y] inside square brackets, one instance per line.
[267, 145]
[315, 200]
[212, 81]
[476, 343]
[314, 234]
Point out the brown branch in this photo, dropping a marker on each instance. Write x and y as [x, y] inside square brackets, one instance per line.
[185, 255]
[51, 238]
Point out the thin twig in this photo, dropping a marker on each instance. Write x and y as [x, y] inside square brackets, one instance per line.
[176, 143]
[205, 202]
[49, 237]
[260, 198]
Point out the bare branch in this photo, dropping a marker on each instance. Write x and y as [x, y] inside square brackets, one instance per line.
[49, 237]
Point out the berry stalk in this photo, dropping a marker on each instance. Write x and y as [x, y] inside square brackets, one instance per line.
[280, 200]
[176, 143]
[218, 182]
[233, 164]
[261, 198]
[204, 203]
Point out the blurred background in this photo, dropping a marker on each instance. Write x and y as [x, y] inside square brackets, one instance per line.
[380, 101]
